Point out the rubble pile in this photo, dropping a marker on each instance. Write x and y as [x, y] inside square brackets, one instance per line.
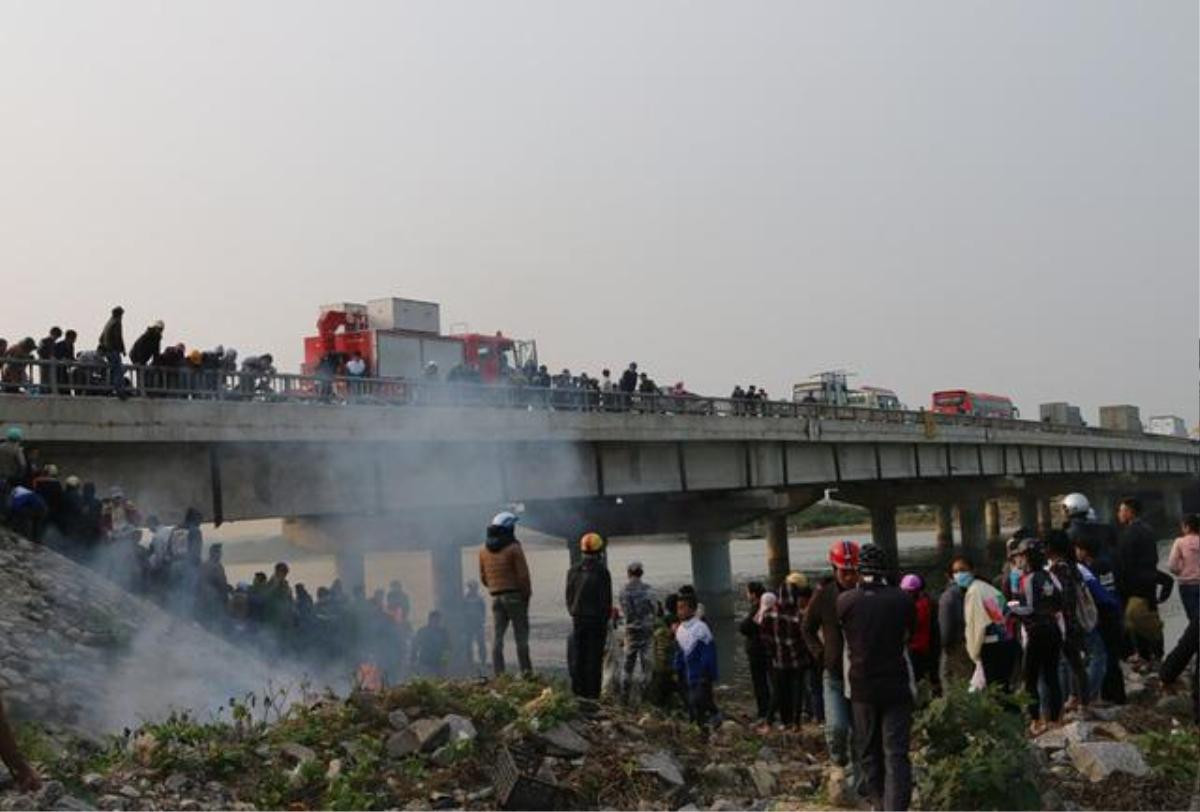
[476, 745]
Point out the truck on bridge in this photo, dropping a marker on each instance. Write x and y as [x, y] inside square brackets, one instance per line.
[402, 338]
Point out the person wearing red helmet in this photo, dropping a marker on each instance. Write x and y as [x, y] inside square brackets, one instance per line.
[823, 635]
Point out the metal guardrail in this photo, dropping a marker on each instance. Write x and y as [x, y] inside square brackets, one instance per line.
[39, 378]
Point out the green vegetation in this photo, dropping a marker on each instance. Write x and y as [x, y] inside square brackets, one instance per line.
[974, 753]
[1173, 755]
[828, 515]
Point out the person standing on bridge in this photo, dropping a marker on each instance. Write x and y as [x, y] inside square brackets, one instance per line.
[112, 346]
[589, 601]
[503, 570]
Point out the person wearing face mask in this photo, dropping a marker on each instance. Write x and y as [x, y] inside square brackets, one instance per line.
[986, 636]
[954, 665]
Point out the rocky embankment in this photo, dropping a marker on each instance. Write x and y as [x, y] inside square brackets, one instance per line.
[79, 653]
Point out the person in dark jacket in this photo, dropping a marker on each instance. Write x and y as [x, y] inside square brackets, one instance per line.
[756, 653]
[780, 634]
[589, 601]
[45, 352]
[112, 346]
[1110, 624]
[431, 648]
[822, 634]
[877, 620]
[1138, 578]
[1038, 605]
[64, 353]
[148, 347]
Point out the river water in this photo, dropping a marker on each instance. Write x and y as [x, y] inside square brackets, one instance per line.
[666, 563]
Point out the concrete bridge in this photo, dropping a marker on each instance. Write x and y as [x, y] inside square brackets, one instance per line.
[352, 478]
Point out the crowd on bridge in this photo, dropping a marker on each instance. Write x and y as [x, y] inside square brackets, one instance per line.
[151, 366]
[56, 365]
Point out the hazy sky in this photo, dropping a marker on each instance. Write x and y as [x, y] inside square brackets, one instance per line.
[1000, 196]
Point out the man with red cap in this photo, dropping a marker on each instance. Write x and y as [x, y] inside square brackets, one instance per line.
[823, 635]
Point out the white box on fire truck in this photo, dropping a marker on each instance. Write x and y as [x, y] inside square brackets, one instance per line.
[394, 313]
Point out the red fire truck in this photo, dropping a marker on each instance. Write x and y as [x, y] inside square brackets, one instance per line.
[401, 338]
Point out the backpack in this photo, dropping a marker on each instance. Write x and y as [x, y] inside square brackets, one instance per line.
[1086, 614]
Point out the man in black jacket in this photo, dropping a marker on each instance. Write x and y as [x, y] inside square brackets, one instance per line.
[589, 600]
[877, 620]
[148, 346]
[1137, 579]
[112, 346]
[756, 653]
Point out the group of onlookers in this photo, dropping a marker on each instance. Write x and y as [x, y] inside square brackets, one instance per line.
[55, 365]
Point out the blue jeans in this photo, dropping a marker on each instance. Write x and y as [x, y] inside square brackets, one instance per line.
[838, 721]
[1189, 595]
[116, 373]
[1097, 662]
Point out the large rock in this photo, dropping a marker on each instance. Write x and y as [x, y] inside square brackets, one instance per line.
[562, 740]
[298, 752]
[1099, 760]
[403, 743]
[763, 779]
[430, 733]
[461, 728]
[664, 765]
[724, 776]
[398, 719]
[1176, 705]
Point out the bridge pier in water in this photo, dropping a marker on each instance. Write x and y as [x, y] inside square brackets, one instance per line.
[992, 516]
[974, 534]
[883, 529]
[712, 575]
[778, 557]
[945, 530]
[1045, 516]
[1027, 505]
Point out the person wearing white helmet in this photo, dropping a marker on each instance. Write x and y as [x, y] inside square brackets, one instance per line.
[505, 573]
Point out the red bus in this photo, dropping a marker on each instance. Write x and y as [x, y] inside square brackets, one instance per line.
[976, 404]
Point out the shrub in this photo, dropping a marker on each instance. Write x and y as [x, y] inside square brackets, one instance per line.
[1173, 755]
[974, 753]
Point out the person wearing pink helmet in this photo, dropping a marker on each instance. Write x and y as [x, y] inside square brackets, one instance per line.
[822, 634]
[923, 645]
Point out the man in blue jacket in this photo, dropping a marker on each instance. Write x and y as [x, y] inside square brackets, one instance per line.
[696, 661]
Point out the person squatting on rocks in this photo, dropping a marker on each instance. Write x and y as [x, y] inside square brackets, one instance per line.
[638, 607]
[877, 620]
[589, 602]
[503, 570]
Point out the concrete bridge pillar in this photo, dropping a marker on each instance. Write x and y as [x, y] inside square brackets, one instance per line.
[1045, 516]
[1172, 510]
[1028, 507]
[974, 534]
[883, 530]
[992, 517]
[1104, 502]
[778, 560]
[945, 531]
[351, 566]
[712, 575]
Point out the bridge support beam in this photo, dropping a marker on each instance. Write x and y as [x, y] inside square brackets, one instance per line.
[883, 530]
[945, 531]
[778, 560]
[712, 575]
[974, 534]
[1028, 506]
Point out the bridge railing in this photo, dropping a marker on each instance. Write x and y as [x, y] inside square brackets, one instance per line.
[89, 377]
